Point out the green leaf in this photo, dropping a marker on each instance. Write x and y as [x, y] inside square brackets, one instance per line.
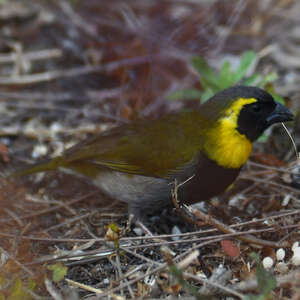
[255, 297]
[267, 79]
[187, 94]
[279, 99]
[59, 271]
[247, 59]
[206, 95]
[270, 89]
[177, 273]
[17, 292]
[213, 83]
[266, 281]
[251, 80]
[31, 285]
[262, 139]
[207, 76]
[226, 76]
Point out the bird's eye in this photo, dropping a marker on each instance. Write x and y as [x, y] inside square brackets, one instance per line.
[256, 108]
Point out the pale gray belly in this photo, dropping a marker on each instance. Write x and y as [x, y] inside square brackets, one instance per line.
[143, 194]
[146, 194]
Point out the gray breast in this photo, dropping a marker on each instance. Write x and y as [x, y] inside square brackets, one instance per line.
[143, 194]
[149, 194]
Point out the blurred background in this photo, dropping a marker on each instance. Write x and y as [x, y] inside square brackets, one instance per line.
[70, 69]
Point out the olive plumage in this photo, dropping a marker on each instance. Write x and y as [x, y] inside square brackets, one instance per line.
[138, 163]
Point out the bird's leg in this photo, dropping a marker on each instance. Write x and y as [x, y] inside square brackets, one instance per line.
[137, 218]
[144, 228]
[132, 219]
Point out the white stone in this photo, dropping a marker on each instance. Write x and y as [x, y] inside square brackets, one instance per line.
[281, 267]
[268, 262]
[296, 257]
[175, 231]
[39, 150]
[295, 245]
[280, 254]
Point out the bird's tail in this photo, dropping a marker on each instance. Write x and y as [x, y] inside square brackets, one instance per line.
[47, 165]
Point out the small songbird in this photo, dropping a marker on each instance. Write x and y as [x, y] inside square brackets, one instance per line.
[138, 163]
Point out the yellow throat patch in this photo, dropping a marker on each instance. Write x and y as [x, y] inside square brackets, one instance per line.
[226, 146]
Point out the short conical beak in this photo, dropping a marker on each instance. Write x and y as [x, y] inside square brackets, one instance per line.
[280, 114]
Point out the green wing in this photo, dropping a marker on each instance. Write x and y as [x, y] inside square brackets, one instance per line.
[150, 148]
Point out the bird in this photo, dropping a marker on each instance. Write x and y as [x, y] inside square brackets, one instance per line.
[138, 163]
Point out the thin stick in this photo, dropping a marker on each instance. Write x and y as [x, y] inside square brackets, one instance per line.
[91, 289]
[47, 210]
[76, 240]
[248, 238]
[156, 270]
[293, 142]
[24, 268]
[225, 289]
[190, 217]
[34, 55]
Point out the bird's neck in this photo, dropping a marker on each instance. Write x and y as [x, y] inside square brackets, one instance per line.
[226, 146]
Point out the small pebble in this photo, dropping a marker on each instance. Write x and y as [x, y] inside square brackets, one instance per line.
[106, 281]
[280, 254]
[296, 257]
[59, 147]
[286, 200]
[295, 245]
[268, 262]
[281, 267]
[138, 231]
[176, 230]
[39, 150]
[55, 127]
[150, 280]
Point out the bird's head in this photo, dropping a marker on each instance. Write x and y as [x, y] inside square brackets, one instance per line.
[241, 115]
[250, 110]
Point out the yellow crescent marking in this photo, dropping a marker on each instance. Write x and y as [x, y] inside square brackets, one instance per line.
[226, 145]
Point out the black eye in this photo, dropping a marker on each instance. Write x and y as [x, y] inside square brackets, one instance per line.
[256, 108]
